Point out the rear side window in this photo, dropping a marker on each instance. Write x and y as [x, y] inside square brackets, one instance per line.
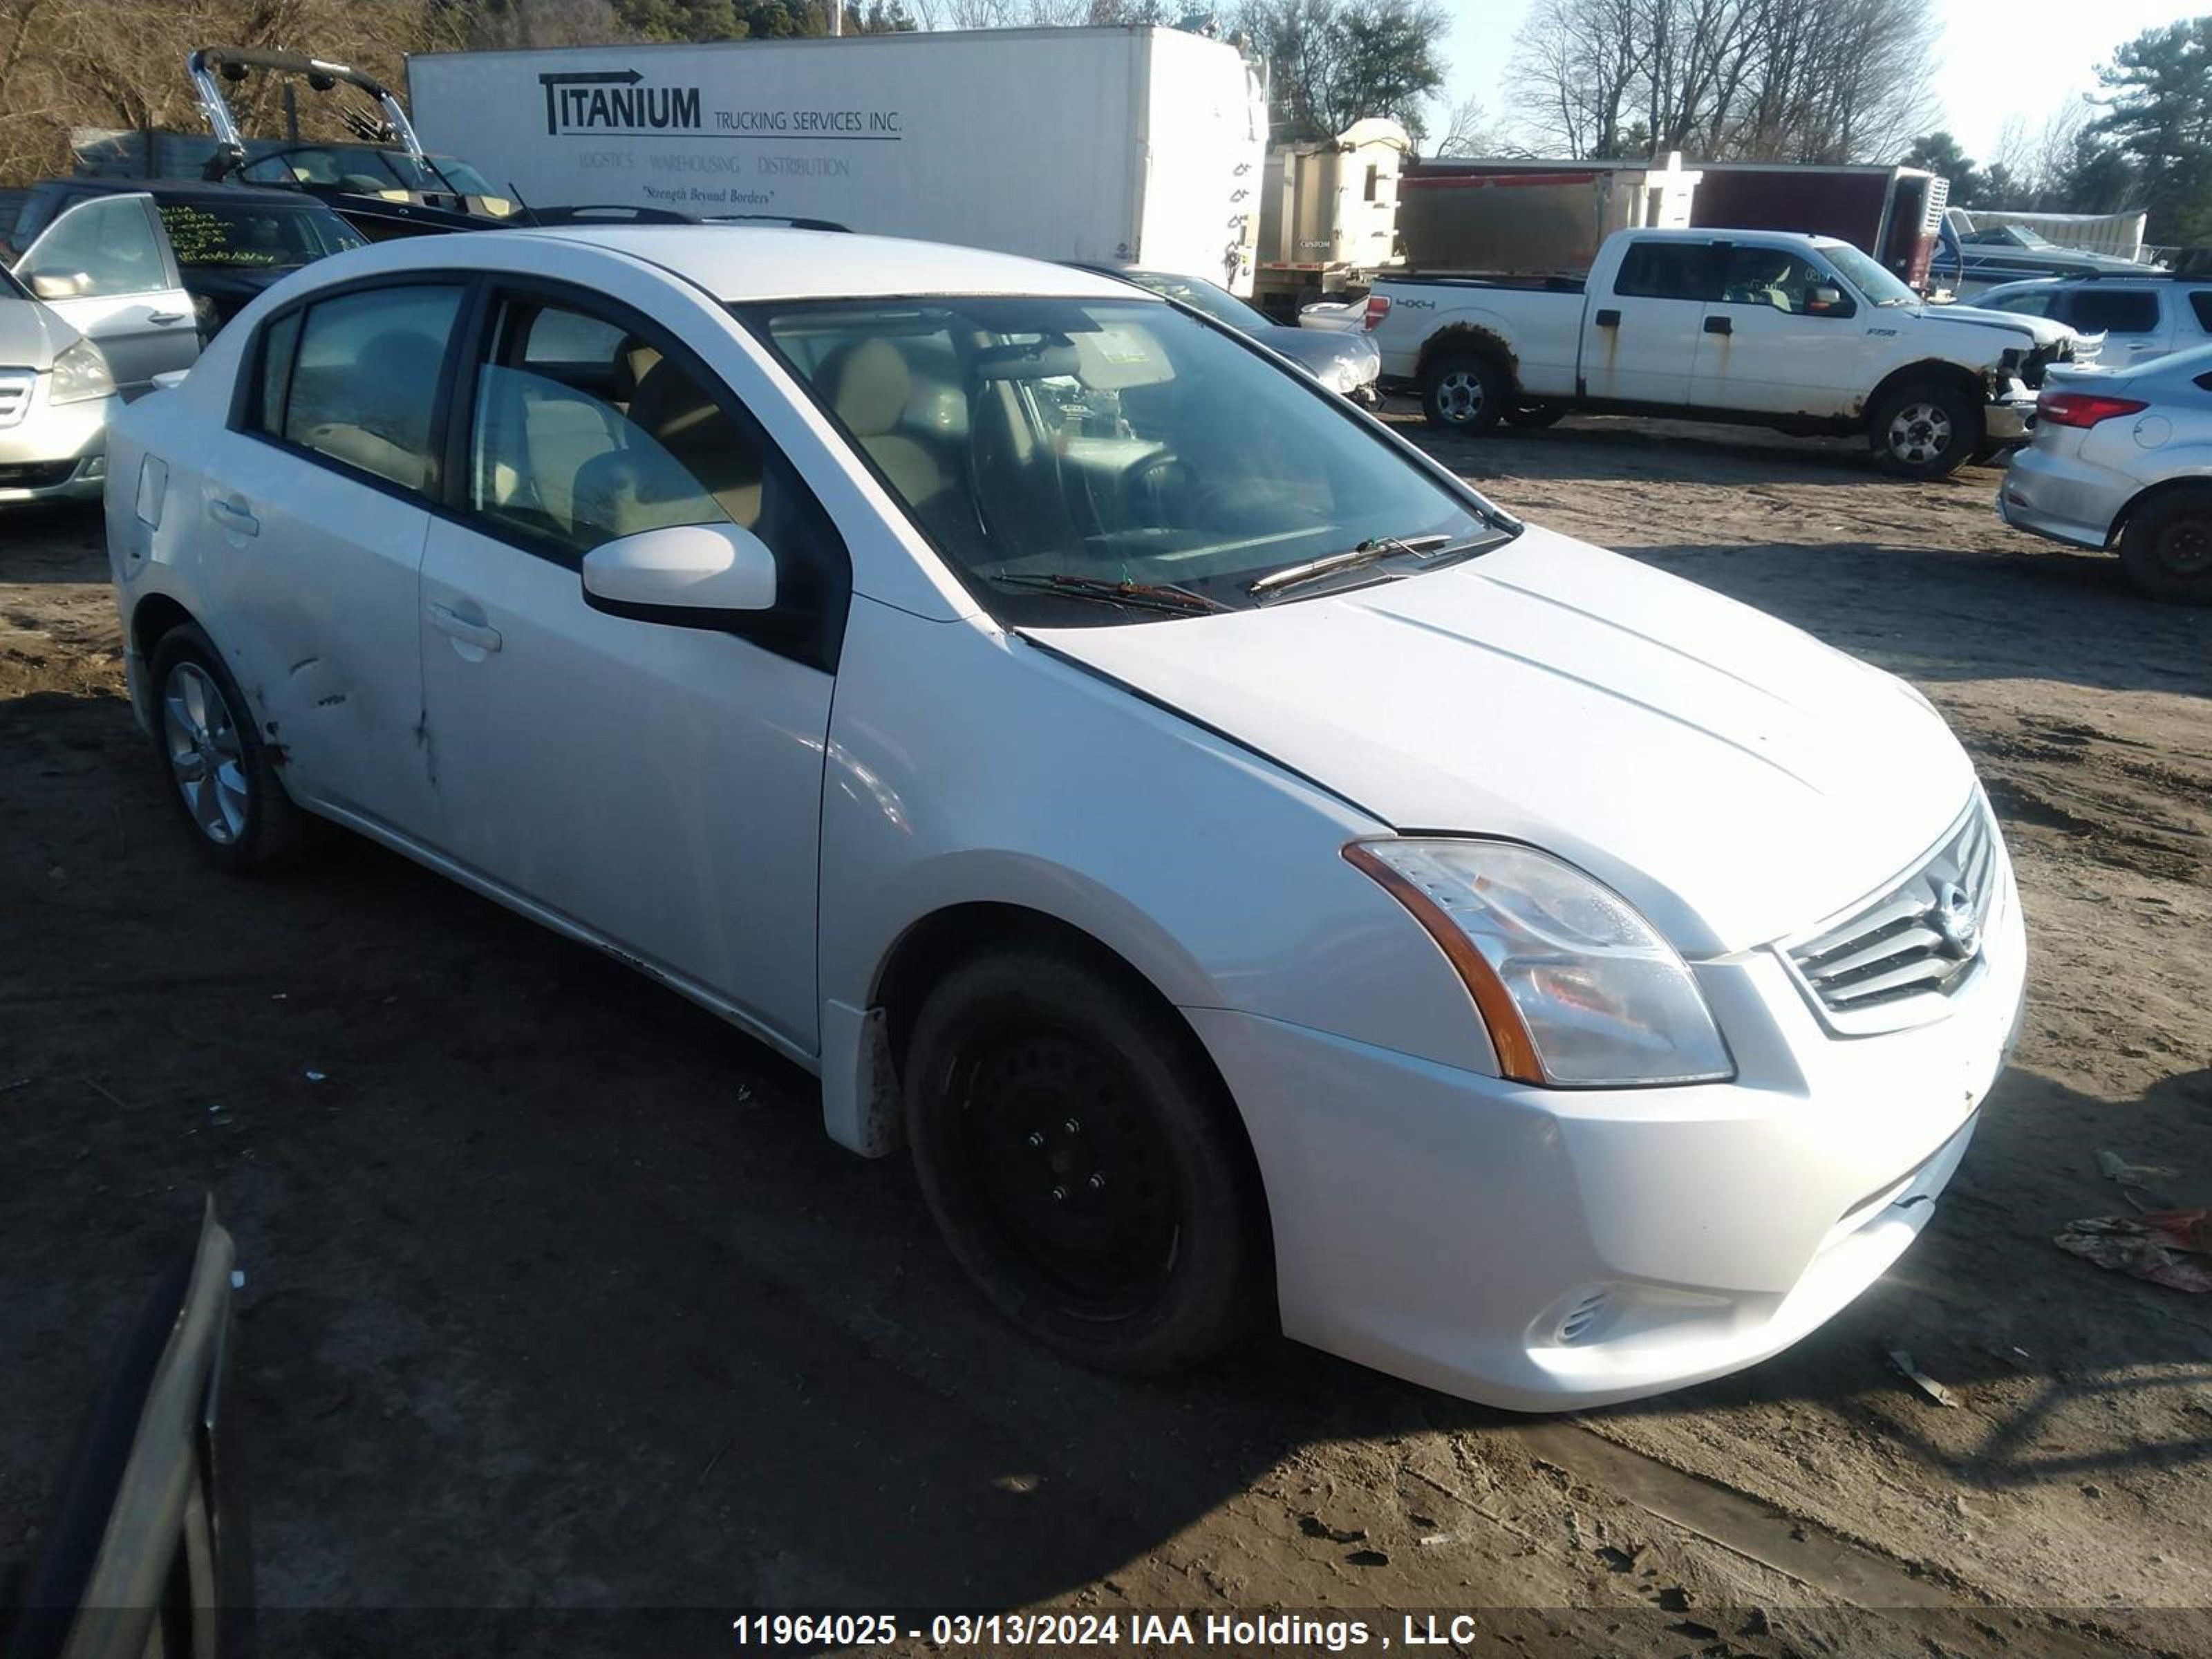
[2200, 302]
[363, 387]
[1670, 270]
[2113, 311]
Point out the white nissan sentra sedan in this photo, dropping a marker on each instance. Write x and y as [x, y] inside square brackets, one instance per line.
[1258, 878]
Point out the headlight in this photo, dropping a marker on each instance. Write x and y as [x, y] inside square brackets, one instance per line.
[1346, 377]
[80, 372]
[1578, 988]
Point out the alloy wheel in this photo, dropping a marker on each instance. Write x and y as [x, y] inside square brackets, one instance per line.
[207, 758]
[1459, 395]
[1920, 433]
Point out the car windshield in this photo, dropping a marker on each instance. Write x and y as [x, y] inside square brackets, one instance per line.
[1059, 452]
[1871, 278]
[370, 170]
[254, 235]
[1199, 294]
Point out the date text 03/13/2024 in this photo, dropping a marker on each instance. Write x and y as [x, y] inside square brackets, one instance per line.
[760, 1631]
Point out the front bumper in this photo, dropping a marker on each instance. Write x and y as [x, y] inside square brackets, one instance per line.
[2011, 419]
[2063, 497]
[56, 452]
[1545, 1249]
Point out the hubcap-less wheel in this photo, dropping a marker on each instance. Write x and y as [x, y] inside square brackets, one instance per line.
[2184, 547]
[206, 757]
[1459, 395]
[1070, 1168]
[1919, 434]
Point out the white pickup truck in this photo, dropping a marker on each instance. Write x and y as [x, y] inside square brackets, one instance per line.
[1803, 333]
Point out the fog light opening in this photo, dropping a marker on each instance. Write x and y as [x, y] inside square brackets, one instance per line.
[1583, 1318]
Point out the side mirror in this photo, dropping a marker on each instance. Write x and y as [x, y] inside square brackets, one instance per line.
[60, 287]
[692, 576]
[1827, 302]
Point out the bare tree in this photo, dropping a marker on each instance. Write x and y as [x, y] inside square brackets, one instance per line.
[1775, 80]
[1467, 129]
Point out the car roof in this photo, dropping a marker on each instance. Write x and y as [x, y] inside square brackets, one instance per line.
[741, 262]
[186, 189]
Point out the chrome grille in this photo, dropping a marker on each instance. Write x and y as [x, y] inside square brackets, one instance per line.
[1893, 961]
[14, 394]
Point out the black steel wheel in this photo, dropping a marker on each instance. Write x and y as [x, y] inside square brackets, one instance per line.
[2166, 548]
[1078, 1155]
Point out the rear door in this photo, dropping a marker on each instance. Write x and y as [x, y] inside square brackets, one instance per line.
[315, 508]
[2135, 326]
[1640, 341]
[1781, 337]
[105, 264]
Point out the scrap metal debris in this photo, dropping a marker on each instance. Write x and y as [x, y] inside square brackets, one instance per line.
[1902, 1362]
[2173, 1248]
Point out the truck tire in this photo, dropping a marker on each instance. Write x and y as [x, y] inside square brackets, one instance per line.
[1925, 429]
[2166, 548]
[1463, 394]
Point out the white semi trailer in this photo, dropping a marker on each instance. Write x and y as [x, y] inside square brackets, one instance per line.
[1135, 146]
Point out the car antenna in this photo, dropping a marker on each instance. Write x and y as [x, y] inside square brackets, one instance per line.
[529, 213]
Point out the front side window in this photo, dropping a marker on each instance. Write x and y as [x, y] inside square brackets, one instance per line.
[584, 434]
[2032, 303]
[363, 384]
[1669, 271]
[1102, 461]
[2113, 310]
[1777, 277]
[1868, 275]
[98, 248]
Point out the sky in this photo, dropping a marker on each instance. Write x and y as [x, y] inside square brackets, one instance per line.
[1997, 59]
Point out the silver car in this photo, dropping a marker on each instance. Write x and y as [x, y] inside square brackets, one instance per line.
[2125, 457]
[1348, 363]
[55, 392]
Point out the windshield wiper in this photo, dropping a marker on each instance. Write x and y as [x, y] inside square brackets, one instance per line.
[1375, 548]
[1138, 596]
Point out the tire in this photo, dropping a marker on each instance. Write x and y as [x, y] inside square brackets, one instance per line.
[2166, 548]
[202, 736]
[1081, 1163]
[1463, 394]
[1925, 429]
[1533, 415]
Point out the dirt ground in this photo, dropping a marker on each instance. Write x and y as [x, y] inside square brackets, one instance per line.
[558, 1304]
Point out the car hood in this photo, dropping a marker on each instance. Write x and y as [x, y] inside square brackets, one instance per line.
[2041, 329]
[1320, 353]
[31, 335]
[1735, 778]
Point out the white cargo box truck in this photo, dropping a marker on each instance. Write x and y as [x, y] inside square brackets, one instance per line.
[1143, 146]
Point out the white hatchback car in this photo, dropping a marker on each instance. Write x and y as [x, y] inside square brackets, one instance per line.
[1258, 876]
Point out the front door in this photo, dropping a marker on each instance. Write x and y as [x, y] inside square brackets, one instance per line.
[658, 784]
[1783, 337]
[1640, 341]
[106, 266]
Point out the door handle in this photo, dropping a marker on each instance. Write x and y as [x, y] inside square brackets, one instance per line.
[449, 621]
[167, 317]
[1608, 319]
[234, 515]
[1719, 325]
